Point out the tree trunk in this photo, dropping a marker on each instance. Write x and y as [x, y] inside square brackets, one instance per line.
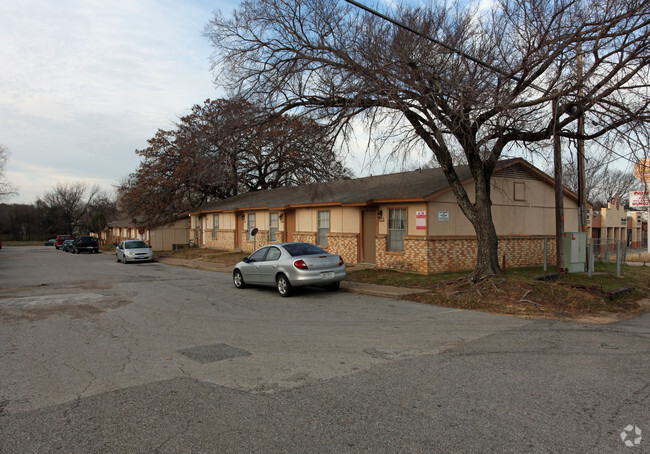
[487, 257]
[479, 214]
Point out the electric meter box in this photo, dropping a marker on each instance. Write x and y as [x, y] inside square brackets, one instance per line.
[575, 251]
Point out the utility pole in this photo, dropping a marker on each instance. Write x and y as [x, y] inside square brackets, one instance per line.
[582, 199]
[559, 192]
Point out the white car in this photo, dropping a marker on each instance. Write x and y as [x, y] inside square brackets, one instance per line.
[133, 251]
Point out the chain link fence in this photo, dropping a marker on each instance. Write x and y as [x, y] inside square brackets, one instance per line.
[607, 250]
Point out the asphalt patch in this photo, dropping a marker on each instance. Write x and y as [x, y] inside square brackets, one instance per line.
[205, 354]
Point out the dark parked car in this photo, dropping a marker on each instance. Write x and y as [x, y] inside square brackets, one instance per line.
[66, 246]
[50, 242]
[85, 244]
[288, 265]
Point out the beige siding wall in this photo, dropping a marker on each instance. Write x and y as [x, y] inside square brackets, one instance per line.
[163, 237]
[306, 219]
[535, 215]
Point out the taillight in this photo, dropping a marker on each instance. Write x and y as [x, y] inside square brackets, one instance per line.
[341, 262]
[300, 264]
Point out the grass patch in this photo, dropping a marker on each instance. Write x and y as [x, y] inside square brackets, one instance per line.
[23, 243]
[573, 296]
[399, 279]
[206, 255]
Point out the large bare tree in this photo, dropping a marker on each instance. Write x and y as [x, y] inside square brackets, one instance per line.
[67, 206]
[488, 81]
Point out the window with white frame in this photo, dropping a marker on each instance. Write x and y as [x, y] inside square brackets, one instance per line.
[323, 228]
[396, 229]
[273, 226]
[215, 225]
[250, 226]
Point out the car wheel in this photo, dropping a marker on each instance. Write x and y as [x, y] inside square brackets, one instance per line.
[334, 286]
[283, 285]
[238, 279]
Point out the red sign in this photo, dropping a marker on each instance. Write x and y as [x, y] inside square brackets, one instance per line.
[420, 220]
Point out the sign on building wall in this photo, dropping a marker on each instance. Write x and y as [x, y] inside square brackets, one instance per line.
[420, 220]
[639, 199]
[443, 216]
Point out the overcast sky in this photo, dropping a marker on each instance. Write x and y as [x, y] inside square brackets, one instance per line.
[84, 83]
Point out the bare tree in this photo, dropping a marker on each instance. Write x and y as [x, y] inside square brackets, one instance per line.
[334, 62]
[602, 182]
[6, 188]
[67, 205]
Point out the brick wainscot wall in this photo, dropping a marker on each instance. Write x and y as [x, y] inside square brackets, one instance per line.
[429, 255]
[344, 244]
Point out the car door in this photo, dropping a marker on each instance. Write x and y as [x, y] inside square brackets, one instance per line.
[251, 269]
[269, 267]
[120, 250]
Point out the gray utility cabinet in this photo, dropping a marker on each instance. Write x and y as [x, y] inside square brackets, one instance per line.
[575, 251]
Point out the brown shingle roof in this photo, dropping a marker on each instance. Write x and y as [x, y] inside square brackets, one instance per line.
[415, 185]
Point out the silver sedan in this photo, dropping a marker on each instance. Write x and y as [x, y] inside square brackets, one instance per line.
[289, 265]
[133, 251]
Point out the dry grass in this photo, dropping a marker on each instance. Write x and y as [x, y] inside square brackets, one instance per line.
[206, 255]
[573, 296]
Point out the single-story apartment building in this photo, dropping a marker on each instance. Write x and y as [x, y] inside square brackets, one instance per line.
[161, 236]
[405, 221]
[126, 228]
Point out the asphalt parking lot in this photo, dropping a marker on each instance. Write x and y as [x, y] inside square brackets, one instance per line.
[97, 356]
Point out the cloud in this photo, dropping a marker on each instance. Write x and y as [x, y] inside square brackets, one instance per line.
[85, 83]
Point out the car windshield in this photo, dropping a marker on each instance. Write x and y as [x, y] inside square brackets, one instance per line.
[135, 245]
[296, 249]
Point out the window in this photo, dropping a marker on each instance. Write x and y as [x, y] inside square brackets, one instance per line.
[295, 249]
[396, 229]
[258, 256]
[273, 254]
[323, 228]
[215, 225]
[251, 226]
[520, 191]
[273, 226]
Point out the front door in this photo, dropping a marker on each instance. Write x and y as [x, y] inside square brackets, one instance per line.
[203, 225]
[289, 225]
[238, 230]
[369, 236]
